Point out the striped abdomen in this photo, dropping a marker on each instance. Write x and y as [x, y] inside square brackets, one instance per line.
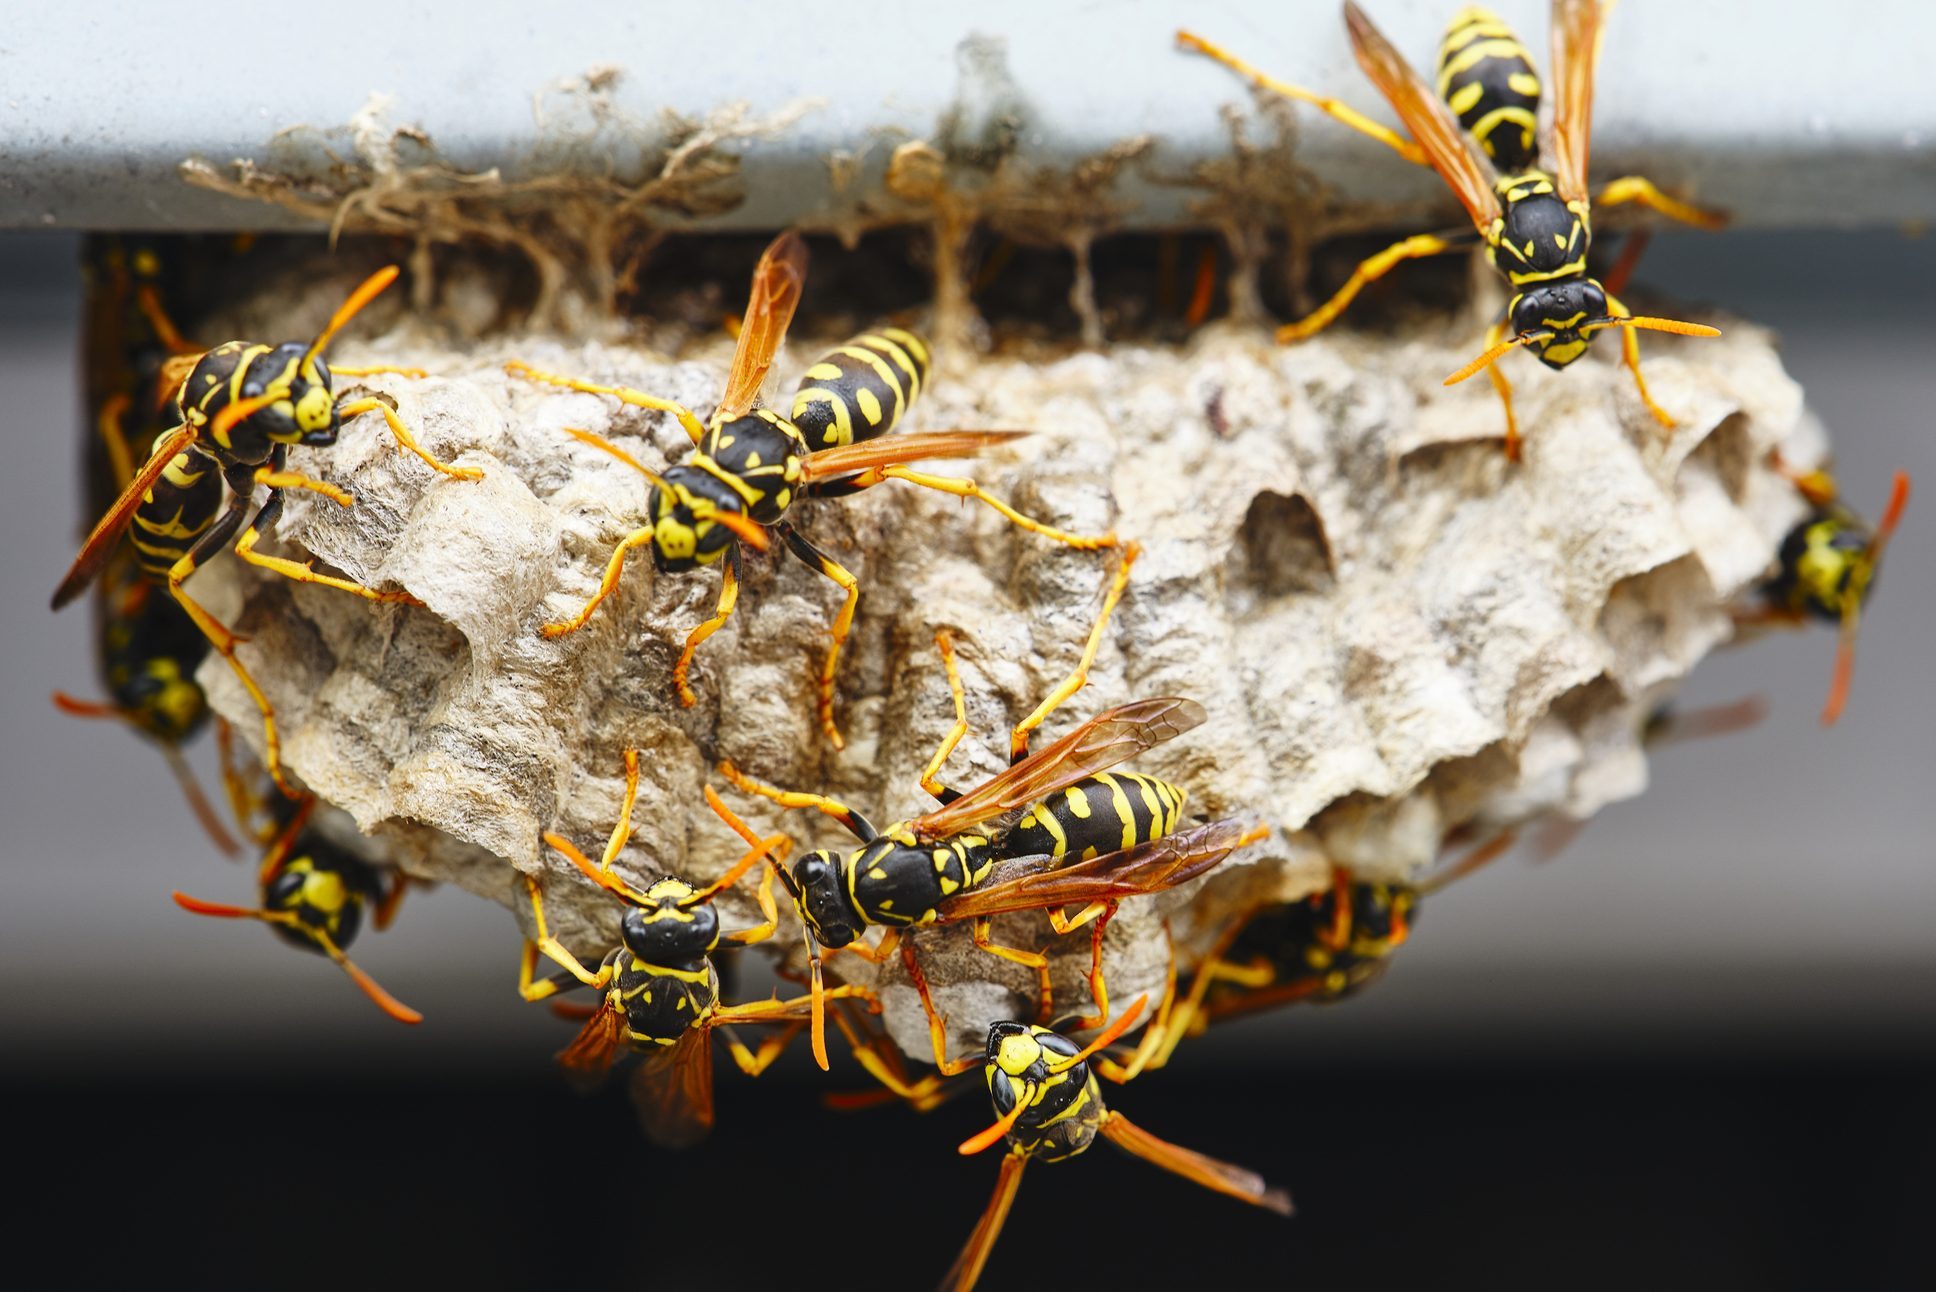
[862, 389]
[175, 511]
[1486, 77]
[1097, 815]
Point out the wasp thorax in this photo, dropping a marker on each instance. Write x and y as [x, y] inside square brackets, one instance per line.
[663, 933]
[1541, 234]
[684, 535]
[1381, 913]
[822, 898]
[1558, 313]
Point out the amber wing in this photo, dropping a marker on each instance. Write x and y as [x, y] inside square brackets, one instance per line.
[777, 283]
[100, 544]
[898, 450]
[1099, 744]
[1577, 29]
[588, 1059]
[1146, 868]
[1235, 1181]
[1430, 122]
[672, 1091]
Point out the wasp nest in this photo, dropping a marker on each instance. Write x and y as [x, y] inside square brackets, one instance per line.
[1394, 631]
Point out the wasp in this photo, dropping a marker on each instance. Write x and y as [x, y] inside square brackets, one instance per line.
[1826, 568]
[660, 987]
[1323, 948]
[1049, 1107]
[1529, 204]
[1056, 829]
[241, 408]
[750, 465]
[314, 895]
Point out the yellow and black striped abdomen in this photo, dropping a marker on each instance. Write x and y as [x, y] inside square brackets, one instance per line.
[862, 389]
[1097, 815]
[1486, 77]
[175, 511]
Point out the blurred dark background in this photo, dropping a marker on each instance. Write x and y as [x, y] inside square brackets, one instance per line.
[1696, 1050]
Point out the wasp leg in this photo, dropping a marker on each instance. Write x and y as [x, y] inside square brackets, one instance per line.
[108, 423]
[1191, 1019]
[795, 1013]
[1633, 188]
[609, 581]
[1205, 292]
[1154, 1034]
[1369, 270]
[962, 487]
[148, 301]
[1504, 390]
[405, 440]
[1816, 487]
[274, 477]
[937, 1027]
[1102, 912]
[882, 1062]
[624, 394]
[300, 571]
[1032, 959]
[817, 560]
[1630, 352]
[728, 601]
[856, 824]
[752, 1062]
[213, 540]
[554, 949]
[931, 776]
[1018, 739]
[966, 1271]
[1335, 109]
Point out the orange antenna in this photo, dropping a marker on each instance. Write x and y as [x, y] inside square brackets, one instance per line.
[1645, 323]
[1494, 354]
[368, 291]
[983, 1139]
[1838, 691]
[370, 987]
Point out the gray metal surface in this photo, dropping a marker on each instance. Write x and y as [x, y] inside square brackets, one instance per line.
[1785, 121]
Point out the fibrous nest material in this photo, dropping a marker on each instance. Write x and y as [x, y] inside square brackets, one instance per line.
[1395, 632]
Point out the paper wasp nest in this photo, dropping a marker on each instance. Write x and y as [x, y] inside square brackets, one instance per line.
[1394, 631]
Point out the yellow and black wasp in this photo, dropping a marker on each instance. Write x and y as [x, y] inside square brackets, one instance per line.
[314, 894]
[1050, 1108]
[1529, 205]
[241, 408]
[660, 987]
[147, 648]
[750, 465]
[1323, 948]
[1056, 829]
[1827, 568]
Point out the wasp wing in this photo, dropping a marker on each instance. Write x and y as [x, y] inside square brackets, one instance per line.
[1234, 1181]
[898, 450]
[1146, 868]
[1430, 122]
[672, 1091]
[100, 544]
[1577, 28]
[1099, 744]
[588, 1059]
[777, 283]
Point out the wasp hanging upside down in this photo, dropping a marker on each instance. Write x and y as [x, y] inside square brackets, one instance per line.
[1530, 206]
[750, 465]
[242, 407]
[1050, 1109]
[1828, 564]
[660, 988]
[313, 896]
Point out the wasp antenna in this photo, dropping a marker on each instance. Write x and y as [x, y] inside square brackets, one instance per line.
[367, 291]
[1108, 1037]
[1493, 356]
[818, 988]
[1645, 323]
[1891, 515]
[221, 910]
[993, 1135]
[75, 708]
[370, 987]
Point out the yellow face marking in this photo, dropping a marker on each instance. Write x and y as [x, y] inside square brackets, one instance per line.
[1563, 352]
[325, 890]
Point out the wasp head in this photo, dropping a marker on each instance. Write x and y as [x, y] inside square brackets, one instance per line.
[685, 534]
[664, 932]
[1559, 317]
[325, 892]
[821, 895]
